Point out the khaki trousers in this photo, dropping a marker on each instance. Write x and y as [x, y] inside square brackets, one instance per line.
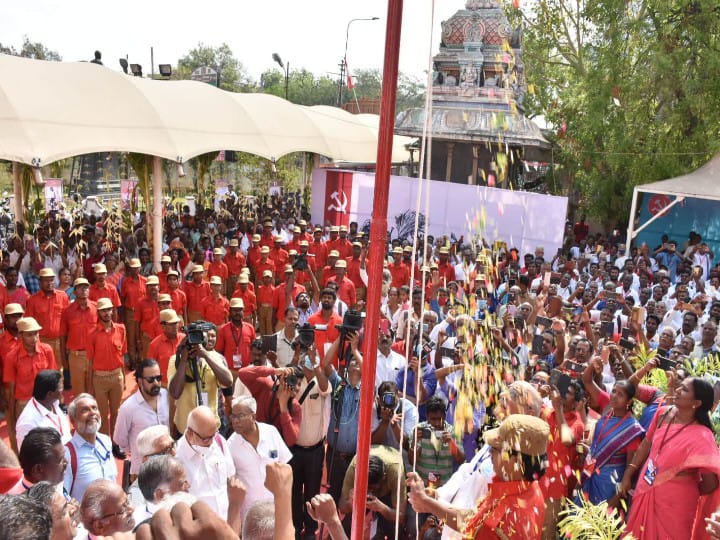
[108, 387]
[79, 366]
[55, 345]
[130, 334]
[230, 286]
[12, 422]
[145, 345]
[265, 315]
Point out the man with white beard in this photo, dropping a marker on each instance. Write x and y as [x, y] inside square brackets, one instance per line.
[88, 453]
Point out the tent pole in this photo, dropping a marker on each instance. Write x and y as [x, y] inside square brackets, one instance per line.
[157, 219]
[378, 237]
[17, 192]
[659, 214]
[631, 221]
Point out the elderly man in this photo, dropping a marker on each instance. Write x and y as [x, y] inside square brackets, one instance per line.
[63, 523]
[159, 477]
[42, 458]
[151, 441]
[44, 407]
[252, 446]
[105, 509]
[149, 406]
[207, 460]
[88, 452]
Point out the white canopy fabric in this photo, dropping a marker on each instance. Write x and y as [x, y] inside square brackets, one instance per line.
[54, 110]
[702, 183]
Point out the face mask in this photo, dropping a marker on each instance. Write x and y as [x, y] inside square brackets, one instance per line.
[202, 450]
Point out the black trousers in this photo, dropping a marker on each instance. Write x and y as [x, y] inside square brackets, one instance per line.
[337, 466]
[307, 467]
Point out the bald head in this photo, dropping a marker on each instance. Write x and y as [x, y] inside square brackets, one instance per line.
[105, 509]
[202, 419]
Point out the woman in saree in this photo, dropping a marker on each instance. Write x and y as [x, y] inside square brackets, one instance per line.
[679, 465]
[616, 438]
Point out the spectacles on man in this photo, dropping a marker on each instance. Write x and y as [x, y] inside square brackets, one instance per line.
[202, 438]
[155, 379]
[125, 509]
[165, 451]
[239, 416]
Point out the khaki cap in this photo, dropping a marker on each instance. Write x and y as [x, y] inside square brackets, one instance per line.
[165, 297]
[100, 268]
[233, 243]
[14, 309]
[407, 249]
[79, 282]
[265, 249]
[243, 278]
[278, 239]
[520, 433]
[256, 238]
[292, 252]
[357, 244]
[397, 249]
[134, 263]
[237, 303]
[334, 253]
[334, 228]
[343, 228]
[165, 258]
[218, 251]
[296, 230]
[46, 272]
[104, 303]
[216, 280]
[173, 273]
[152, 280]
[28, 324]
[169, 316]
[341, 264]
[267, 273]
[198, 268]
[444, 250]
[304, 243]
[302, 222]
[288, 268]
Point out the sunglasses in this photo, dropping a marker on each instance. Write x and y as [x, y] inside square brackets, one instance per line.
[155, 379]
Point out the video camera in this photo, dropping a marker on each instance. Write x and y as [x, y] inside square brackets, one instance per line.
[306, 336]
[301, 262]
[352, 322]
[196, 332]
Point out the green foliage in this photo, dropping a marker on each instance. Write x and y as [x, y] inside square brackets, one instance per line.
[303, 88]
[631, 88]
[368, 84]
[591, 522]
[31, 49]
[233, 75]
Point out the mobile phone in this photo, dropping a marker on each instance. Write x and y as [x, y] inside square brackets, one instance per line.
[546, 279]
[663, 353]
[626, 333]
[574, 367]
[537, 344]
[426, 433]
[560, 380]
[511, 282]
[607, 328]
[555, 278]
[627, 344]
[543, 321]
[269, 343]
[519, 322]
[385, 327]
[512, 309]
[448, 351]
[666, 364]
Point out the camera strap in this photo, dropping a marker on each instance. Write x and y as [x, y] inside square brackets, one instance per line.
[308, 388]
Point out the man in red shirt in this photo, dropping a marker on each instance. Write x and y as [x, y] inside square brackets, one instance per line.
[147, 316]
[101, 288]
[178, 298]
[216, 307]
[304, 234]
[318, 248]
[295, 242]
[165, 262]
[267, 235]
[279, 256]
[244, 292]
[46, 307]
[407, 261]
[265, 296]
[217, 267]
[346, 288]
[132, 289]
[78, 319]
[343, 245]
[329, 270]
[264, 264]
[333, 240]
[398, 269]
[253, 253]
[196, 291]
[354, 264]
[326, 317]
[163, 348]
[235, 337]
[445, 268]
[235, 262]
[280, 295]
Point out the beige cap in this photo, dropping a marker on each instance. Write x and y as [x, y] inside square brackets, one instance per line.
[302, 222]
[288, 269]
[234, 243]
[343, 228]
[104, 303]
[100, 268]
[14, 309]
[173, 273]
[357, 244]
[198, 268]
[520, 433]
[216, 280]
[334, 253]
[168, 316]
[165, 259]
[278, 239]
[237, 303]
[134, 263]
[265, 249]
[46, 272]
[292, 252]
[407, 249]
[152, 280]
[256, 238]
[341, 264]
[444, 250]
[218, 251]
[79, 282]
[334, 228]
[318, 230]
[243, 278]
[245, 270]
[296, 230]
[267, 273]
[304, 243]
[165, 297]
[397, 249]
[28, 324]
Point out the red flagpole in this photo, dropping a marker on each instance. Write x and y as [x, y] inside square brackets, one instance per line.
[376, 256]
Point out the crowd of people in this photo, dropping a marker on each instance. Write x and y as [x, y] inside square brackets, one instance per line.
[219, 395]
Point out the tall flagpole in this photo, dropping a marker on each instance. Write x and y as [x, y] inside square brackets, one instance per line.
[376, 255]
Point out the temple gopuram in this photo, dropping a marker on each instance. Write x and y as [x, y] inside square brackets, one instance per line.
[480, 134]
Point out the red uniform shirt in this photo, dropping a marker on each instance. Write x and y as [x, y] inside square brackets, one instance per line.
[344, 248]
[47, 311]
[131, 291]
[234, 344]
[235, 263]
[327, 274]
[22, 367]
[320, 250]
[217, 310]
[346, 291]
[162, 279]
[353, 272]
[261, 266]
[248, 298]
[178, 301]
[323, 337]
[400, 274]
[8, 344]
[108, 291]
[559, 474]
[253, 256]
[447, 273]
[77, 323]
[265, 294]
[280, 258]
[105, 348]
[196, 295]
[218, 268]
[279, 297]
[147, 315]
[163, 350]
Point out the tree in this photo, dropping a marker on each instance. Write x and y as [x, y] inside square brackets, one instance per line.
[31, 49]
[303, 88]
[368, 84]
[232, 73]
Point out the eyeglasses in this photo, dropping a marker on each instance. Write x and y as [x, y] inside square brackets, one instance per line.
[239, 416]
[165, 451]
[203, 439]
[125, 509]
[155, 379]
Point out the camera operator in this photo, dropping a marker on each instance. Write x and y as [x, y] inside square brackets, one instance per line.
[197, 368]
[276, 403]
[390, 412]
[309, 450]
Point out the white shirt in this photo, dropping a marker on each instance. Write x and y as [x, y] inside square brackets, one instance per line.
[36, 415]
[315, 413]
[250, 462]
[135, 415]
[284, 350]
[208, 470]
[388, 367]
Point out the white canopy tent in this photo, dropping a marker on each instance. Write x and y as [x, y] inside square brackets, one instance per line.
[53, 110]
[703, 183]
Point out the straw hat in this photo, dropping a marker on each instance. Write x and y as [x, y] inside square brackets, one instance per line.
[80, 282]
[152, 280]
[134, 263]
[216, 280]
[520, 433]
[198, 268]
[164, 298]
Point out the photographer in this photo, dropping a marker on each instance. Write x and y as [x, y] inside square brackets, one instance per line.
[197, 368]
[285, 351]
[390, 412]
[276, 403]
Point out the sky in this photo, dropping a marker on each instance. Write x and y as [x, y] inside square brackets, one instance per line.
[309, 33]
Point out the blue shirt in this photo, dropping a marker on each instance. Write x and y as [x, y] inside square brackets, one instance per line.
[348, 404]
[93, 462]
[670, 260]
[429, 382]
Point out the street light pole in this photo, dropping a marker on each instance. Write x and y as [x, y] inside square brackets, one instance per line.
[286, 68]
[343, 62]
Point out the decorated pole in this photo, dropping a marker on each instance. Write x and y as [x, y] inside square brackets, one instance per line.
[157, 212]
[376, 255]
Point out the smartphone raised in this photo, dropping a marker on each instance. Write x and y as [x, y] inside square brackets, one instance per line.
[537, 344]
[560, 380]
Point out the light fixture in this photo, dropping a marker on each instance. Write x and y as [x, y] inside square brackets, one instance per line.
[180, 170]
[37, 176]
[136, 70]
[276, 57]
[165, 70]
[124, 64]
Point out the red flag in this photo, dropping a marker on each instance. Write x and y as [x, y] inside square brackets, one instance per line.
[350, 83]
